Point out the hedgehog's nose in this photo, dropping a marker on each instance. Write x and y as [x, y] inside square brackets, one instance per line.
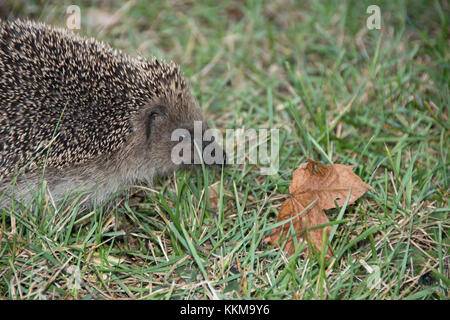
[218, 155]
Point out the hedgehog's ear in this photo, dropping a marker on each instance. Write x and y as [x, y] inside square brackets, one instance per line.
[151, 115]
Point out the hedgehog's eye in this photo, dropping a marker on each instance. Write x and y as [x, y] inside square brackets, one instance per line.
[151, 116]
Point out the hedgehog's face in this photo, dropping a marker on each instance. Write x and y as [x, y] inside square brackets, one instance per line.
[176, 135]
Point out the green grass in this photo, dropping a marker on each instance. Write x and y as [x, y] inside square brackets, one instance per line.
[338, 92]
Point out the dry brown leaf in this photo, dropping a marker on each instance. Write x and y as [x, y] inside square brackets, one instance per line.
[313, 181]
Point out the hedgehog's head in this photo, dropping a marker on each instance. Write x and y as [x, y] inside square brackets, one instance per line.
[172, 130]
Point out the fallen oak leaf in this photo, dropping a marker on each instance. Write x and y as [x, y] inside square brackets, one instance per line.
[322, 186]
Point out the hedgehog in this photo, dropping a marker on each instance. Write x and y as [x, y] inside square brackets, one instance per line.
[80, 115]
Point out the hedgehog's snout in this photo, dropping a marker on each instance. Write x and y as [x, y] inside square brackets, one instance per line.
[197, 149]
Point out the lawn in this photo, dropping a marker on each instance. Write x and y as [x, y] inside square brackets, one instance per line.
[338, 93]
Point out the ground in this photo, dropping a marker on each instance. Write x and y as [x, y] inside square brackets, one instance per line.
[337, 91]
